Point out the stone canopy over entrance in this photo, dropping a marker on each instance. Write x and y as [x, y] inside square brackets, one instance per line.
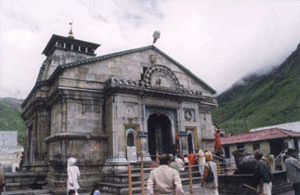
[111, 109]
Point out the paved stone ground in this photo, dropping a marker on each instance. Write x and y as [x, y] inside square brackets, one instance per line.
[197, 189]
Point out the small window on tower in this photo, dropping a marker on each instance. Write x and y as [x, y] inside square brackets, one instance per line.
[75, 47]
[90, 50]
[68, 46]
[82, 49]
[59, 44]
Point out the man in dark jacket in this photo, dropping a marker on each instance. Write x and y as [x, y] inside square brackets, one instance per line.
[262, 175]
[293, 170]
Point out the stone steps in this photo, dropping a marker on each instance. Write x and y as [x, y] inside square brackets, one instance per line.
[28, 192]
[118, 183]
[136, 186]
[20, 181]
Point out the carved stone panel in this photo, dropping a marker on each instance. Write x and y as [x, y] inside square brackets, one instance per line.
[159, 79]
[130, 109]
[160, 76]
[189, 115]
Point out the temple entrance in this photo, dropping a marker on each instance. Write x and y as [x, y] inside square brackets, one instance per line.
[159, 135]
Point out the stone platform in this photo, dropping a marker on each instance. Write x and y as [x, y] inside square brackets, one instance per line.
[232, 184]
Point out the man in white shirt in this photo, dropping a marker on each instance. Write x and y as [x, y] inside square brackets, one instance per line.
[164, 179]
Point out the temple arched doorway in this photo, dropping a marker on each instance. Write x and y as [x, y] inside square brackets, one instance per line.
[159, 135]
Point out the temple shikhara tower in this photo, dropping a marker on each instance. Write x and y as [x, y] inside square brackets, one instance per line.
[111, 108]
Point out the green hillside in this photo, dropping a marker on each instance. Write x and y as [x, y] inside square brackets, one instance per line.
[10, 117]
[262, 100]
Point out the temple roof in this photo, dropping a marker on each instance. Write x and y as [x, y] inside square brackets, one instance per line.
[104, 57]
[57, 38]
[62, 67]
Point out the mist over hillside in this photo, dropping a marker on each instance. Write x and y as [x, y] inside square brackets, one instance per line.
[259, 100]
[12, 103]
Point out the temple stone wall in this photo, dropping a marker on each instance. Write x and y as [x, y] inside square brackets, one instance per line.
[84, 117]
[56, 116]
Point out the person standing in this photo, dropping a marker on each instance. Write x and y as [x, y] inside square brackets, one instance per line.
[73, 174]
[201, 161]
[262, 177]
[293, 170]
[2, 179]
[164, 179]
[210, 187]
[192, 159]
[185, 159]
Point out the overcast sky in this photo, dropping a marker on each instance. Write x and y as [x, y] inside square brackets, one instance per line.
[219, 41]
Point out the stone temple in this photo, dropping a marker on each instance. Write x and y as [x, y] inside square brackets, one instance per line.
[111, 108]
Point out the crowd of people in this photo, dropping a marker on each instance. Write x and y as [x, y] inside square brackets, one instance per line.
[165, 179]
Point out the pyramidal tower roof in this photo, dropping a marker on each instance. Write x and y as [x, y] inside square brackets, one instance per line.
[70, 44]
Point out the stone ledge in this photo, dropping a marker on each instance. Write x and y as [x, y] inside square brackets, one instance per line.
[63, 136]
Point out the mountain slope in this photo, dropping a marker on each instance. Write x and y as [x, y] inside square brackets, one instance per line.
[262, 100]
[10, 117]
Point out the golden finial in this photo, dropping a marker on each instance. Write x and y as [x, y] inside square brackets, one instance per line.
[71, 32]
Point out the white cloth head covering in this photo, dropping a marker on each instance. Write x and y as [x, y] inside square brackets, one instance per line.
[97, 192]
[72, 161]
[200, 153]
